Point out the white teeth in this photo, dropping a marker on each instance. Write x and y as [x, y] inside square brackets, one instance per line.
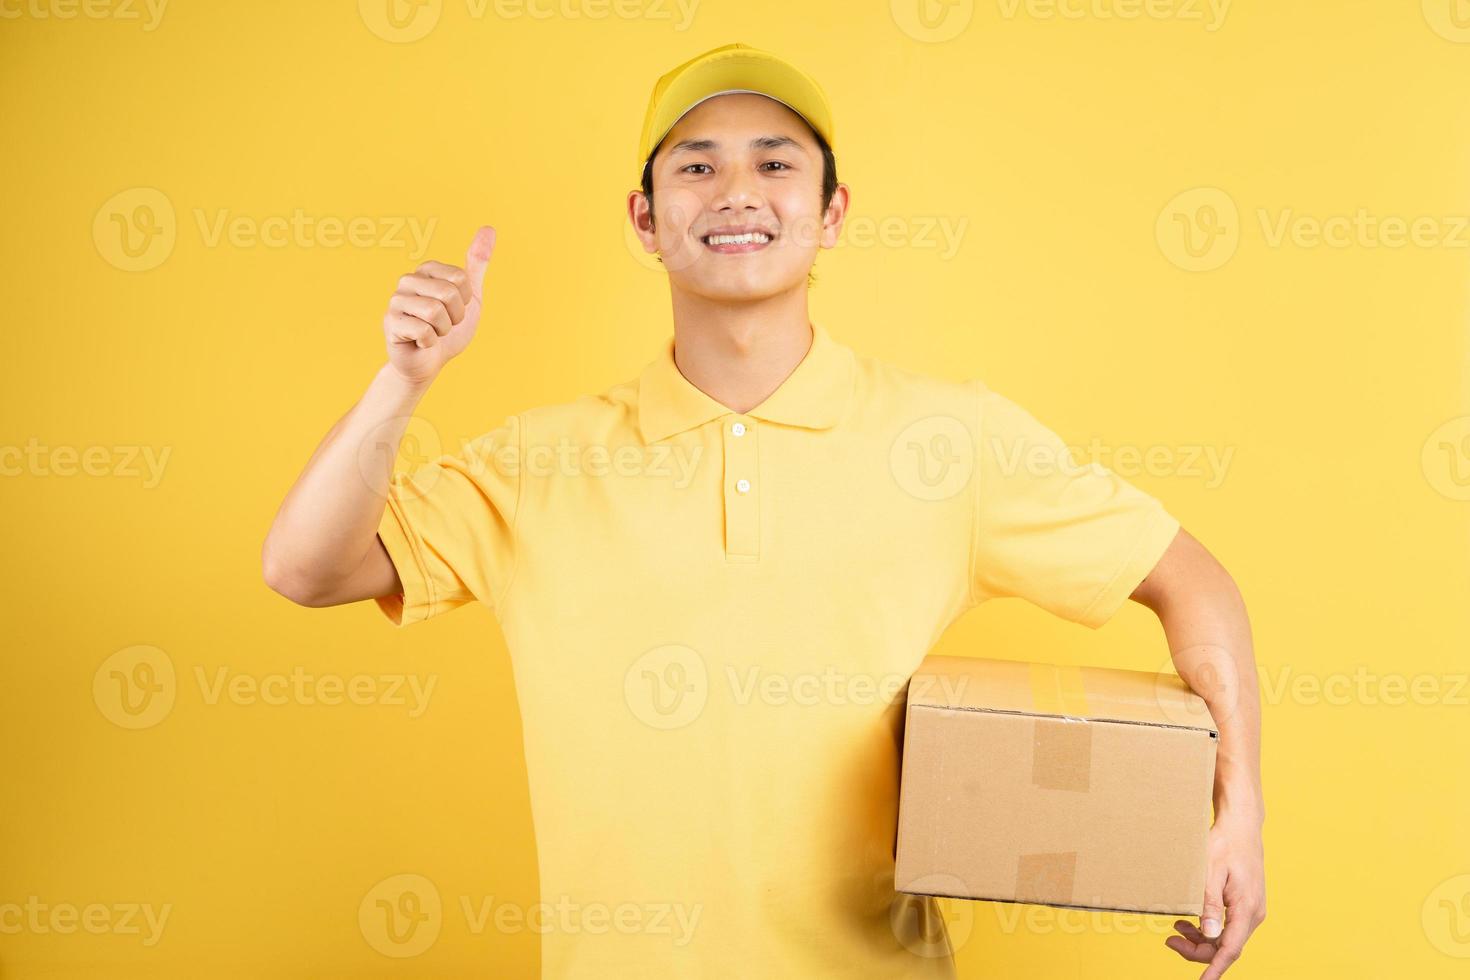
[749, 238]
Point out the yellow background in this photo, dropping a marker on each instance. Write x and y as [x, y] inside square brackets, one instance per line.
[1332, 375]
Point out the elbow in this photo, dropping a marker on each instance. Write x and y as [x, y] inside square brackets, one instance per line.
[286, 579]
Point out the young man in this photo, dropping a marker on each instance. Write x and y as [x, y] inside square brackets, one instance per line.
[714, 578]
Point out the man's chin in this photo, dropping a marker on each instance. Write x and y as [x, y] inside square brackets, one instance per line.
[733, 290]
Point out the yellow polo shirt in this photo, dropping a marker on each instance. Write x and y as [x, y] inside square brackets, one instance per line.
[711, 616]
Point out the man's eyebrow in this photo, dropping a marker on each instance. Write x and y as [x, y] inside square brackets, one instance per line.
[759, 143]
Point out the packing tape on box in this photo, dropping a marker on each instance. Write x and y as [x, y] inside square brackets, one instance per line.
[1046, 877]
[1061, 754]
[1061, 750]
[1061, 758]
[1058, 690]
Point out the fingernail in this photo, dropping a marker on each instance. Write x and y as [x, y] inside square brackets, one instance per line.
[1211, 928]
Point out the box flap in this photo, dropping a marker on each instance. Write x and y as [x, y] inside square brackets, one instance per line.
[1091, 693]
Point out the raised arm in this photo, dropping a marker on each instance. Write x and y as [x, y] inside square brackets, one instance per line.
[1209, 638]
[322, 548]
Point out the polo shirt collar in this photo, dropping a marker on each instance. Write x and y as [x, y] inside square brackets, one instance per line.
[815, 395]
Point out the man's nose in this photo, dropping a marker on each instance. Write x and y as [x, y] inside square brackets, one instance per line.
[738, 188]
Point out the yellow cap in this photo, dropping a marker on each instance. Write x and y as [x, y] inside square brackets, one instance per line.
[732, 68]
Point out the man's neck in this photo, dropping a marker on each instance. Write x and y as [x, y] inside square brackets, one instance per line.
[738, 354]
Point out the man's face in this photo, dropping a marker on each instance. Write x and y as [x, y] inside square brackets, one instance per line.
[738, 163]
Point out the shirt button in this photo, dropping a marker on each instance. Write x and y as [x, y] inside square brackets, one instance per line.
[738, 428]
[742, 485]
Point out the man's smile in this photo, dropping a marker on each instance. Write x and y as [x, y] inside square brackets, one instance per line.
[737, 240]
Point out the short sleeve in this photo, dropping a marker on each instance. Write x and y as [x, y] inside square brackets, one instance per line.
[1074, 539]
[449, 527]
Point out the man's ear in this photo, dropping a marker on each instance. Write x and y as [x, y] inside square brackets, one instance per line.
[640, 213]
[835, 215]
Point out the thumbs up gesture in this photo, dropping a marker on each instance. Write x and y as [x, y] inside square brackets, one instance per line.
[434, 312]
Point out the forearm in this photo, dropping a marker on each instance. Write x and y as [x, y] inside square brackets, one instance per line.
[1209, 639]
[326, 525]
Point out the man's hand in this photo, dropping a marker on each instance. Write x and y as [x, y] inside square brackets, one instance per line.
[433, 315]
[1235, 892]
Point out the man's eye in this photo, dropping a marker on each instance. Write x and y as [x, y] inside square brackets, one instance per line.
[688, 168]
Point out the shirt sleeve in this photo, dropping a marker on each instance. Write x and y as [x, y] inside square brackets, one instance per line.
[1074, 539]
[449, 527]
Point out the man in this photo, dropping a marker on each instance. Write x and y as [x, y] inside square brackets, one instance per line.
[714, 578]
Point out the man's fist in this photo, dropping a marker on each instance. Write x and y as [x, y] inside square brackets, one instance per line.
[433, 315]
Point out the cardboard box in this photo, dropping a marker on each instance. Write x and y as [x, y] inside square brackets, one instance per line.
[1077, 787]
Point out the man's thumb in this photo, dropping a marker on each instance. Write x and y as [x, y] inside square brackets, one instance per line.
[1212, 915]
[478, 257]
